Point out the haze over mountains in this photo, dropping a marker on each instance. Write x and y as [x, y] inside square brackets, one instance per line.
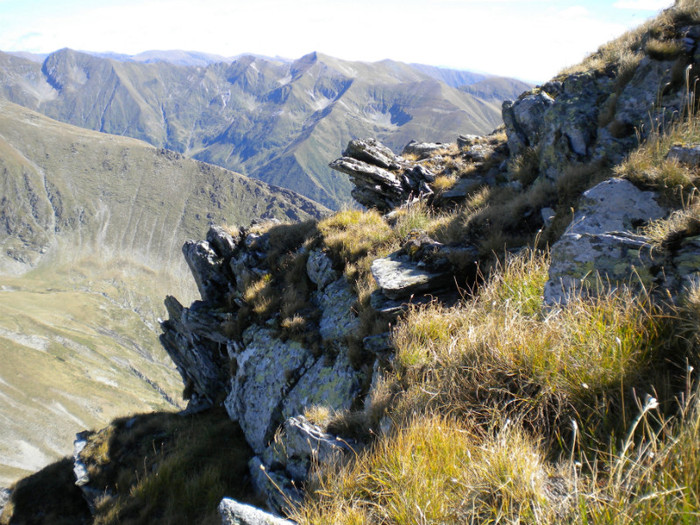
[275, 120]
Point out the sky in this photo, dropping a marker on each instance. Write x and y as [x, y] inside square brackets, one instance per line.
[528, 39]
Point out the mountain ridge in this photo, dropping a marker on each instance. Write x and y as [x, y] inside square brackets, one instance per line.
[252, 115]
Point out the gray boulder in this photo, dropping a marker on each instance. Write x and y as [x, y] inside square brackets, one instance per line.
[373, 152]
[639, 100]
[234, 513]
[398, 277]
[319, 268]
[689, 154]
[376, 187]
[338, 317]
[523, 120]
[423, 265]
[192, 337]
[598, 248]
[569, 127]
[462, 188]
[615, 205]
[422, 149]
[382, 181]
[206, 266]
[222, 242]
[302, 443]
[585, 262]
[333, 384]
[5, 495]
[464, 141]
[278, 490]
[267, 371]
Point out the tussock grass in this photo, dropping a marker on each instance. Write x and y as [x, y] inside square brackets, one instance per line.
[444, 183]
[648, 165]
[525, 167]
[351, 235]
[669, 233]
[435, 470]
[501, 353]
[500, 218]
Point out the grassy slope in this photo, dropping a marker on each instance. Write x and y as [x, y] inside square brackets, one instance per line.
[72, 359]
[117, 194]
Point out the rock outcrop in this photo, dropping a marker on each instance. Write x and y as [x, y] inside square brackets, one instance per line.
[383, 180]
[5, 495]
[265, 378]
[601, 249]
[597, 115]
[234, 513]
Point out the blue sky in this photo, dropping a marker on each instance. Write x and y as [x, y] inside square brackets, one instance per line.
[531, 39]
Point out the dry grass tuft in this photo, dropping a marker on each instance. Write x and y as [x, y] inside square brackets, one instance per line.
[435, 470]
[525, 167]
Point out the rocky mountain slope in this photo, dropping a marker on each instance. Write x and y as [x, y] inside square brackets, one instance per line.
[431, 359]
[272, 120]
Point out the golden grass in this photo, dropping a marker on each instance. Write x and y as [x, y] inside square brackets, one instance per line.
[353, 234]
[525, 167]
[435, 470]
[648, 165]
[501, 348]
[657, 37]
[681, 224]
[444, 183]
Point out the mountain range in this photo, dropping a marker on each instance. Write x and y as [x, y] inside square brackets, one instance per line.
[272, 119]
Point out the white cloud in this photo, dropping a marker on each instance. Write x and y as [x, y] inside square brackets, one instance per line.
[648, 5]
[530, 39]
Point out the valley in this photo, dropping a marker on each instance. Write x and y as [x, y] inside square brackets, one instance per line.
[91, 230]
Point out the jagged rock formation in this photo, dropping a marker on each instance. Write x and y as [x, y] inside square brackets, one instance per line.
[382, 180]
[265, 378]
